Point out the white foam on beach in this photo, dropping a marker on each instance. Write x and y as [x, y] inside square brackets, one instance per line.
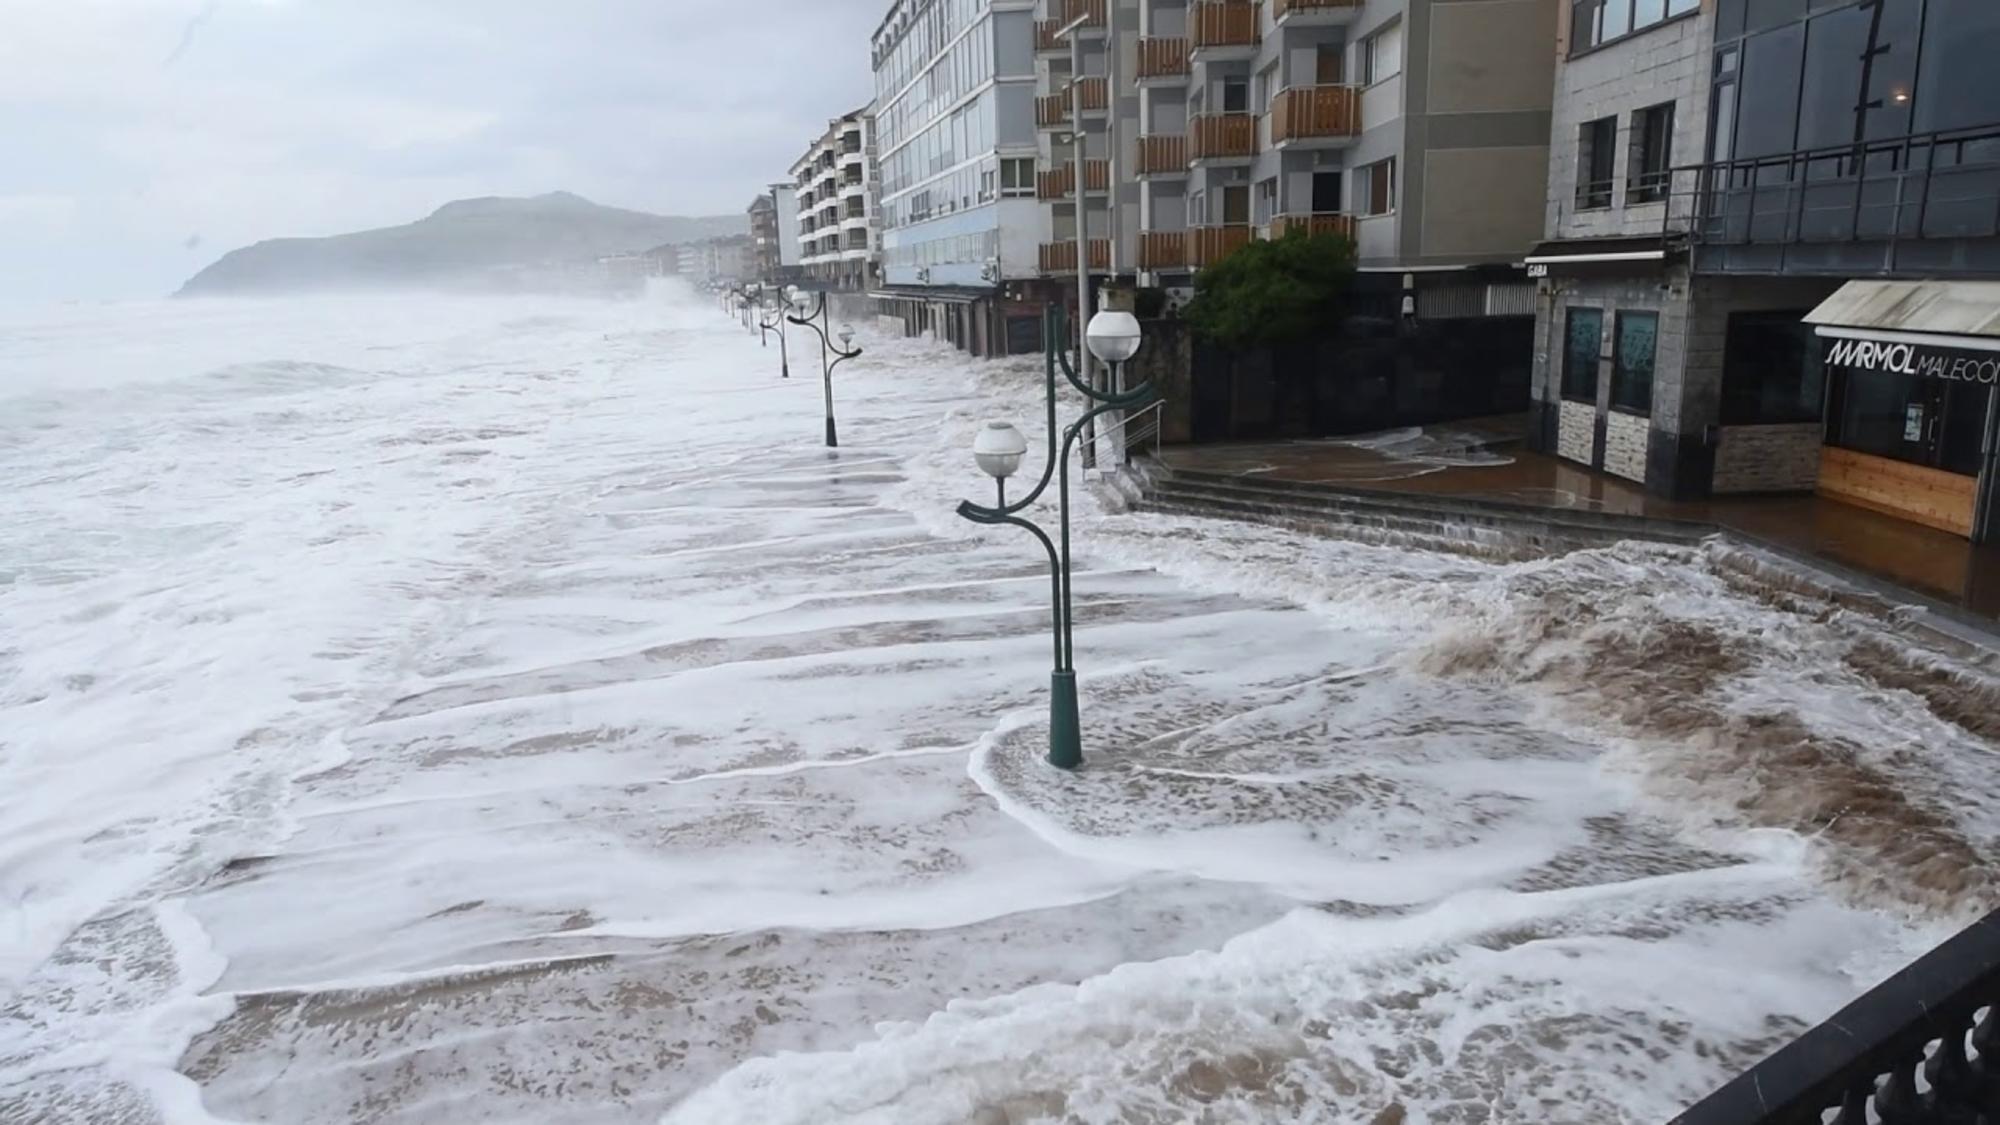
[427, 710]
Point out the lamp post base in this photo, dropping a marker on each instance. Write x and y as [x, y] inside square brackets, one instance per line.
[832, 439]
[1065, 735]
[785, 370]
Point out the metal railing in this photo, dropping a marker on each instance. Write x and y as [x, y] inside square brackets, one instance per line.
[1921, 1048]
[1128, 431]
[1943, 184]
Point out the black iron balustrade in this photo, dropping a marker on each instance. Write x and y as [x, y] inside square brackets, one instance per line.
[1936, 185]
[1921, 1048]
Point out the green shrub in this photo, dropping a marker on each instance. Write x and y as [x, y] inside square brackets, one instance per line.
[1274, 291]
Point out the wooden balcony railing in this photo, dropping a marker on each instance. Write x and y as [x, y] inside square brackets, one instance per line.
[1282, 8]
[1163, 154]
[1161, 57]
[1222, 23]
[1096, 94]
[1060, 257]
[1060, 183]
[1163, 250]
[1209, 245]
[1070, 10]
[1300, 112]
[1324, 222]
[1066, 11]
[1053, 109]
[1221, 134]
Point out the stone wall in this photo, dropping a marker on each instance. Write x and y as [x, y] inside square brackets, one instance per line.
[1625, 439]
[1167, 359]
[1768, 458]
[1576, 431]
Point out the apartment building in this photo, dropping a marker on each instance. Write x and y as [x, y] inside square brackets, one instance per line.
[730, 260]
[1773, 261]
[836, 185]
[774, 232]
[1418, 128]
[954, 97]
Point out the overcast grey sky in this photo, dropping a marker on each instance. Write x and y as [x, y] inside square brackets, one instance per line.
[141, 139]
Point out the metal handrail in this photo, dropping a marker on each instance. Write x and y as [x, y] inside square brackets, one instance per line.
[1137, 425]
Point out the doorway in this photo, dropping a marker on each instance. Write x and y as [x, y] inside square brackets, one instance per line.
[1236, 205]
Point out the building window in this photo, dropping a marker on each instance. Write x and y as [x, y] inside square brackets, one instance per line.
[1235, 95]
[1017, 176]
[1652, 154]
[1381, 55]
[1580, 349]
[1600, 21]
[1375, 187]
[1632, 362]
[1266, 201]
[1772, 372]
[1596, 149]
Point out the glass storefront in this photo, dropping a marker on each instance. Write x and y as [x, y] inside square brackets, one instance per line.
[1936, 423]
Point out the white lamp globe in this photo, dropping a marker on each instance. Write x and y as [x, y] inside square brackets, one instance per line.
[999, 449]
[1113, 335]
[846, 337]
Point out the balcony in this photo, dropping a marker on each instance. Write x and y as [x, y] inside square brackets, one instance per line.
[1060, 257]
[1315, 116]
[1314, 13]
[1060, 183]
[1209, 245]
[1163, 60]
[1052, 110]
[1163, 250]
[1923, 204]
[1314, 225]
[1222, 137]
[1165, 154]
[1222, 29]
[1065, 13]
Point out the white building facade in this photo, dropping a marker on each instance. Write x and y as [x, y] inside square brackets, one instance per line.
[836, 216]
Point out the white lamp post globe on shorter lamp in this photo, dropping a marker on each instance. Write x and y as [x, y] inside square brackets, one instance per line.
[847, 337]
[999, 448]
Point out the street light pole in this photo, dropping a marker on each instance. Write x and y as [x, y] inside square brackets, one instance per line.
[1114, 337]
[827, 352]
[775, 305]
[1073, 31]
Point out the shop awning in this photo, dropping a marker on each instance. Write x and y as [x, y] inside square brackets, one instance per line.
[1939, 314]
[1598, 256]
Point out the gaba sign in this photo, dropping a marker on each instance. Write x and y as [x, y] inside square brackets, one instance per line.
[1923, 361]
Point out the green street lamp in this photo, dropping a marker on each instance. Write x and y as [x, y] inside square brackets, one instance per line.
[773, 318]
[827, 350]
[1113, 337]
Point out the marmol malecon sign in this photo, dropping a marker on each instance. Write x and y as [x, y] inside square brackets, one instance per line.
[1923, 360]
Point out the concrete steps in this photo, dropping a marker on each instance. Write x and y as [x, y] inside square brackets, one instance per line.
[1479, 526]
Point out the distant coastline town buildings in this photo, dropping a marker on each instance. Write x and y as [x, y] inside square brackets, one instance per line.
[1644, 223]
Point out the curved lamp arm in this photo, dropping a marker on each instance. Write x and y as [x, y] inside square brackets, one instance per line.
[992, 517]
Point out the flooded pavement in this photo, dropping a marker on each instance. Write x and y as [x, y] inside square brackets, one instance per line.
[644, 760]
[1487, 460]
